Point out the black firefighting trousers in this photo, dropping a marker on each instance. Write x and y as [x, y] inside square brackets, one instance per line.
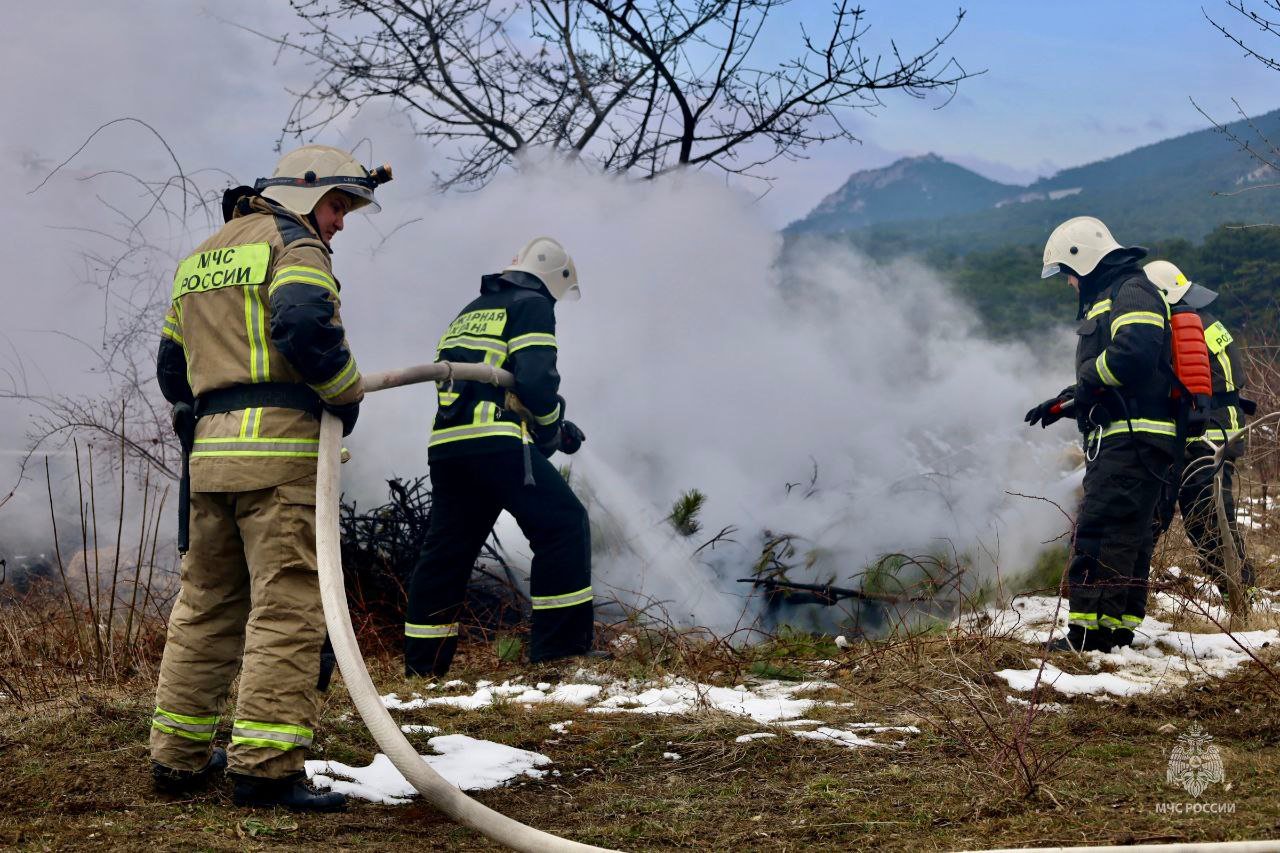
[467, 495]
[1200, 513]
[1111, 555]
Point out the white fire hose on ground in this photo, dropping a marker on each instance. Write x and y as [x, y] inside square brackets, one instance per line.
[439, 792]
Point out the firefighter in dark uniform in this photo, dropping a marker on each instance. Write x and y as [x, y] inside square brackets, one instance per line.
[1121, 402]
[489, 452]
[1194, 494]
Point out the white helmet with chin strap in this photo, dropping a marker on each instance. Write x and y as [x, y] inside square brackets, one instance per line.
[1169, 279]
[305, 175]
[1078, 244]
[546, 259]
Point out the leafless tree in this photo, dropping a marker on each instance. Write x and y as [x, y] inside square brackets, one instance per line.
[635, 87]
[1264, 16]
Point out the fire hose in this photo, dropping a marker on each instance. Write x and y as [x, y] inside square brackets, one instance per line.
[430, 784]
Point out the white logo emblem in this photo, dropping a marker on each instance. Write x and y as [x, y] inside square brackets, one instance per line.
[1195, 763]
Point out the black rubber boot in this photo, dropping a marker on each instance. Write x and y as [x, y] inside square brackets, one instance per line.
[1079, 639]
[291, 791]
[179, 782]
[1122, 637]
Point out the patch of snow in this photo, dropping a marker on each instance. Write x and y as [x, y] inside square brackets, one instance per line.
[753, 736]
[471, 764]
[838, 736]
[1055, 707]
[671, 756]
[457, 682]
[561, 728]
[418, 730]
[767, 703]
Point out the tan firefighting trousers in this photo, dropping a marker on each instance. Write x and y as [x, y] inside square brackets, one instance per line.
[249, 589]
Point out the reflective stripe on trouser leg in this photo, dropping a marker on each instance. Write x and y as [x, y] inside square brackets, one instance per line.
[281, 736]
[183, 725]
[463, 511]
[559, 533]
[1111, 556]
[205, 637]
[278, 704]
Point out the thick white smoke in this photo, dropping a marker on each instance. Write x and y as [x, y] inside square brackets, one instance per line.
[703, 357]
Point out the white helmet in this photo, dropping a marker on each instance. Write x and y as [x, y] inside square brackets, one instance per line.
[303, 176]
[1079, 243]
[1169, 279]
[545, 258]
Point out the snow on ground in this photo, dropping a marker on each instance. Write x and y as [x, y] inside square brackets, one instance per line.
[1160, 659]
[471, 764]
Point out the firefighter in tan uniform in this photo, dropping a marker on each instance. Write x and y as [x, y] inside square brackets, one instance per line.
[251, 352]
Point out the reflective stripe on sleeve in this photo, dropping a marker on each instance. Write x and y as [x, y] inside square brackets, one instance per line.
[430, 632]
[171, 331]
[548, 420]
[1143, 318]
[1104, 372]
[1100, 308]
[182, 725]
[533, 339]
[271, 735]
[340, 382]
[304, 275]
[553, 602]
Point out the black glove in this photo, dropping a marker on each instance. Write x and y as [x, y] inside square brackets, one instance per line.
[1051, 411]
[571, 437]
[347, 414]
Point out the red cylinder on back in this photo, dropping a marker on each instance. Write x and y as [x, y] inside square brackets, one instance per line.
[1190, 354]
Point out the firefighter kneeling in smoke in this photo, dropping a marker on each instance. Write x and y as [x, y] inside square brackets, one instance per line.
[252, 351]
[1194, 493]
[481, 463]
[1121, 402]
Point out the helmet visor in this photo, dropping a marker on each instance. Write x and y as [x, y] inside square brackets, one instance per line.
[361, 198]
[1050, 270]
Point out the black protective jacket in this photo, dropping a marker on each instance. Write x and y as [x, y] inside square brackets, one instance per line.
[513, 328]
[1123, 360]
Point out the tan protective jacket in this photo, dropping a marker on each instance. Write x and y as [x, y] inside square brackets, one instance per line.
[256, 302]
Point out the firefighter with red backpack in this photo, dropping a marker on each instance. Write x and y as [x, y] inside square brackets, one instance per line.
[1193, 493]
[1125, 406]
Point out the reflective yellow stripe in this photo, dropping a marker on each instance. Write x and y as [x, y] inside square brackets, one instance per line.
[256, 446]
[447, 398]
[304, 275]
[191, 728]
[548, 420]
[487, 345]
[272, 735]
[1084, 620]
[463, 433]
[1218, 434]
[1141, 425]
[170, 330]
[341, 381]
[1104, 372]
[1109, 621]
[231, 266]
[1131, 621]
[554, 602]
[1143, 318]
[533, 339]
[431, 632]
[1100, 308]
[255, 320]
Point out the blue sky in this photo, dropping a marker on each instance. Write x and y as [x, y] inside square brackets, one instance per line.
[1064, 84]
